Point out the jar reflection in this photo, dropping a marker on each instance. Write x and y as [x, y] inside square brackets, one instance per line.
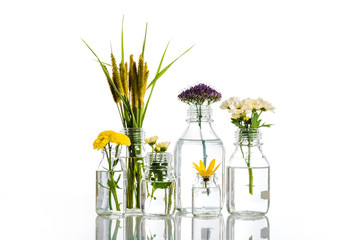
[110, 228]
[183, 222]
[247, 227]
[132, 227]
[157, 227]
[208, 228]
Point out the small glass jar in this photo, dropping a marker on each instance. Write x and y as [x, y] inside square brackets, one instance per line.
[158, 185]
[206, 196]
[248, 175]
[111, 183]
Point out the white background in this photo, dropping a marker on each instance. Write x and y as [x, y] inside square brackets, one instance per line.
[302, 56]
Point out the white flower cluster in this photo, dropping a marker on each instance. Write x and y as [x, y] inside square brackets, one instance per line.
[241, 108]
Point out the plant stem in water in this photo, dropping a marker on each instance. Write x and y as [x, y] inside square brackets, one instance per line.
[202, 140]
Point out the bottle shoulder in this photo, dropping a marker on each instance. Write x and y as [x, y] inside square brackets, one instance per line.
[245, 156]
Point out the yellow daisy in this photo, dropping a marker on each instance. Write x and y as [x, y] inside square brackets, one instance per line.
[206, 173]
[110, 136]
[151, 140]
[162, 146]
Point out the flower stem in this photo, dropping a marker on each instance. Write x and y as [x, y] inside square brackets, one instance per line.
[201, 137]
[250, 169]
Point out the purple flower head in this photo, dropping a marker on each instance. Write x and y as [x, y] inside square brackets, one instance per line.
[199, 94]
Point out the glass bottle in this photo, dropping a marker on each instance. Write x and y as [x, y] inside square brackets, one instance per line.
[158, 185]
[199, 142]
[206, 196]
[111, 183]
[248, 175]
[135, 167]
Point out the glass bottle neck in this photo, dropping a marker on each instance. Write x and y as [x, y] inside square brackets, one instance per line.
[136, 135]
[248, 137]
[201, 181]
[199, 113]
[159, 161]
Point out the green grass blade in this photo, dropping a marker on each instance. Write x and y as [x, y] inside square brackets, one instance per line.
[162, 58]
[157, 76]
[122, 42]
[166, 68]
[107, 64]
[143, 48]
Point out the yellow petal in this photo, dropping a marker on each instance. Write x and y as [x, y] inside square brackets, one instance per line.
[211, 166]
[216, 167]
[196, 167]
[202, 166]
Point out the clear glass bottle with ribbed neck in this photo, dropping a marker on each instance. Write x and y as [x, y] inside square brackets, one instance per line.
[199, 142]
[248, 175]
[135, 167]
[158, 185]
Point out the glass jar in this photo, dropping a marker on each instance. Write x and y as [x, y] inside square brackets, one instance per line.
[206, 196]
[111, 183]
[248, 175]
[199, 142]
[158, 185]
[135, 166]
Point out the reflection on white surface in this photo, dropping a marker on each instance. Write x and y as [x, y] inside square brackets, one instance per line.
[199, 228]
[184, 226]
[208, 228]
[159, 228]
[110, 228]
[247, 228]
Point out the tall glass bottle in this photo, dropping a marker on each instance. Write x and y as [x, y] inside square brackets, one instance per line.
[135, 167]
[248, 175]
[199, 142]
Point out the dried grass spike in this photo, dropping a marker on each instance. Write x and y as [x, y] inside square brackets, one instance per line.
[116, 78]
[113, 93]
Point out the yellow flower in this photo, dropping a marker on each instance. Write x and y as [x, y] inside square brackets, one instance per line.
[151, 140]
[162, 147]
[110, 136]
[206, 173]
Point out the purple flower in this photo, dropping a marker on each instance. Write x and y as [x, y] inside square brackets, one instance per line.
[199, 94]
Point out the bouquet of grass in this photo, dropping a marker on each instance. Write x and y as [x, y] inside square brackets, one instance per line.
[128, 82]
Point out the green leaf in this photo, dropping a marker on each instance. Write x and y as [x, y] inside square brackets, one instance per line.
[143, 48]
[118, 179]
[158, 75]
[122, 41]
[103, 186]
[111, 185]
[266, 125]
[104, 63]
[161, 185]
